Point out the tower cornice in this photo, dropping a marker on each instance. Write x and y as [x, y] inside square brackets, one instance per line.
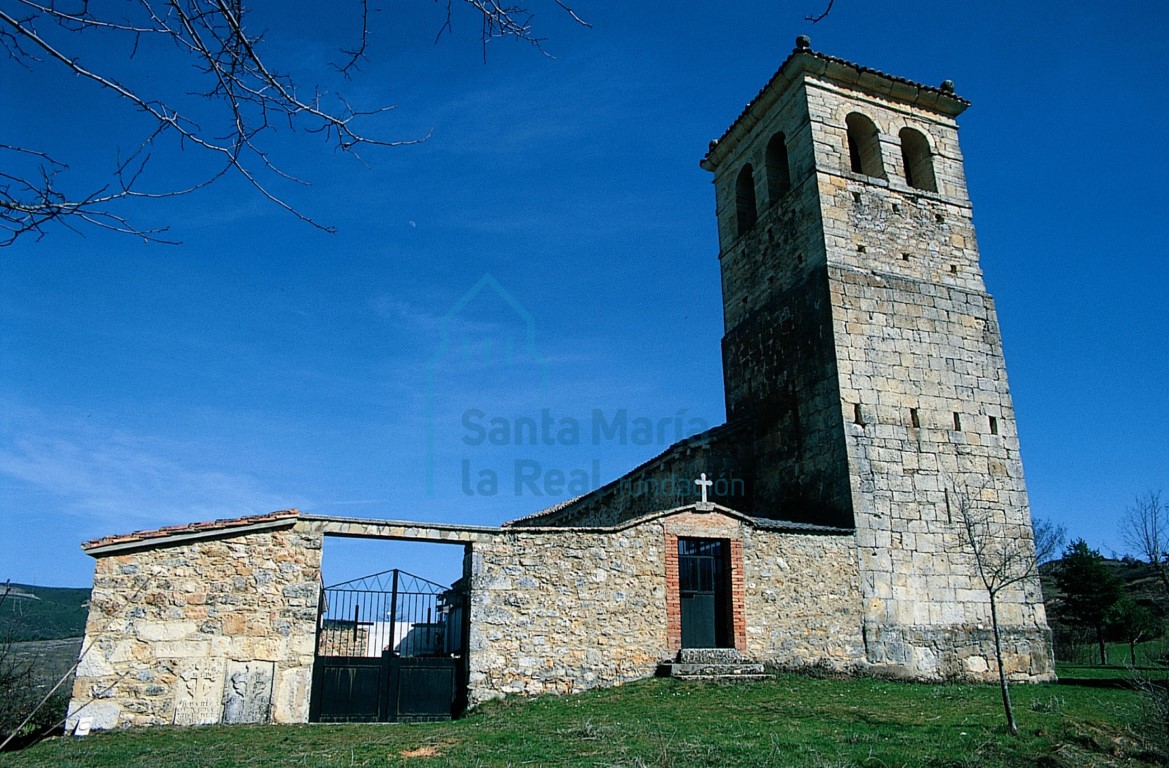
[803, 61]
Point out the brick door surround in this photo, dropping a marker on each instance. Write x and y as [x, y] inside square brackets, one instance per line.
[704, 527]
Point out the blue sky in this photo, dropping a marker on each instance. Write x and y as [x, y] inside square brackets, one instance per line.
[263, 364]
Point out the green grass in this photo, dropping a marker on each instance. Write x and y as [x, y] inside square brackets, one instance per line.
[1085, 664]
[1148, 654]
[1072, 673]
[787, 721]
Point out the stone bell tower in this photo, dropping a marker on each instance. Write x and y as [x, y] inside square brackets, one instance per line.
[861, 345]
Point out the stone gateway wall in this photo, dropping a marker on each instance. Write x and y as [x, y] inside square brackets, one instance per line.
[563, 610]
[222, 629]
[207, 631]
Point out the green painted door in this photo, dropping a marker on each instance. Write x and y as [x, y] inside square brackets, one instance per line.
[704, 586]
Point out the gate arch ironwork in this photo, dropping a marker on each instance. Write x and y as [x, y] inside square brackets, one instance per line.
[389, 648]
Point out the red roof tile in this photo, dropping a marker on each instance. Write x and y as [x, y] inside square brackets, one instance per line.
[178, 530]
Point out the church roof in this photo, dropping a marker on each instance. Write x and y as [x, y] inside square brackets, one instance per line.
[557, 513]
[803, 59]
[791, 526]
[174, 534]
[766, 524]
[548, 511]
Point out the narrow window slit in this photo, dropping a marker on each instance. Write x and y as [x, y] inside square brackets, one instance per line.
[857, 416]
[994, 425]
[957, 421]
[913, 418]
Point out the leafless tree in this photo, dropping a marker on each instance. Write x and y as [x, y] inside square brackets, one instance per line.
[240, 99]
[1145, 529]
[1002, 559]
[1049, 539]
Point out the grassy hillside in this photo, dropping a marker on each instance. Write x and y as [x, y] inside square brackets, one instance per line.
[1078, 644]
[42, 613]
[1139, 579]
[49, 660]
[788, 721]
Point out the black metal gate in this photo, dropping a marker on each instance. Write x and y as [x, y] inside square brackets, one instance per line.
[389, 649]
[704, 593]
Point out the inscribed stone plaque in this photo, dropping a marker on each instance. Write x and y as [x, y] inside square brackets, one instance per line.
[197, 692]
[247, 691]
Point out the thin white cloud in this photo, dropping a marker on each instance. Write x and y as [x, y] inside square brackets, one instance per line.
[413, 316]
[118, 481]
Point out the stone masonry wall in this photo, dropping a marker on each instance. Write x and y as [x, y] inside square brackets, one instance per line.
[216, 630]
[936, 355]
[559, 610]
[803, 599]
[563, 611]
[781, 375]
[778, 359]
[923, 390]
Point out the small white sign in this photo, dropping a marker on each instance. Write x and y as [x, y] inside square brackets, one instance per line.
[84, 725]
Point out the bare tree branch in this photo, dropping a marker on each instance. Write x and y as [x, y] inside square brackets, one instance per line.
[564, 7]
[822, 16]
[1002, 559]
[1049, 539]
[243, 99]
[357, 53]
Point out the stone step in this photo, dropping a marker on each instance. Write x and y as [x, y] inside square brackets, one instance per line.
[709, 656]
[721, 678]
[712, 664]
[678, 669]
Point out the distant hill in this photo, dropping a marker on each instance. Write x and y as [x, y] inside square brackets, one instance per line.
[1139, 579]
[1078, 644]
[42, 613]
